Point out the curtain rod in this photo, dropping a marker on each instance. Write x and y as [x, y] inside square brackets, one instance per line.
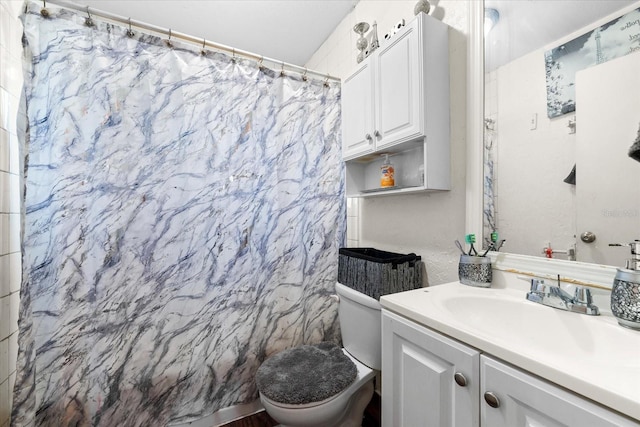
[175, 34]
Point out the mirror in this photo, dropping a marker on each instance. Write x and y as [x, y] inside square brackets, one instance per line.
[562, 80]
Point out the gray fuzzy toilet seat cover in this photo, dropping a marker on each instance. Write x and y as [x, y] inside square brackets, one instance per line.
[306, 374]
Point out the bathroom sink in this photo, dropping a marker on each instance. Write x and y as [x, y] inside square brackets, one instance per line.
[590, 355]
[510, 315]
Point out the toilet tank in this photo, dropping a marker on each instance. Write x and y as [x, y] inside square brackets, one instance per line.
[360, 324]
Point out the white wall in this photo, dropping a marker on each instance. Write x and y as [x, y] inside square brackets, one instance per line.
[426, 224]
[10, 267]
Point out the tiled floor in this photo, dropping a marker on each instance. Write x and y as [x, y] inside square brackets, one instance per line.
[262, 419]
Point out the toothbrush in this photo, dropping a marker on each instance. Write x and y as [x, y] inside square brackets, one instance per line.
[492, 242]
[494, 238]
[459, 245]
[471, 239]
[488, 249]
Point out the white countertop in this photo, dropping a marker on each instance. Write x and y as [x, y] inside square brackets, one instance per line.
[590, 355]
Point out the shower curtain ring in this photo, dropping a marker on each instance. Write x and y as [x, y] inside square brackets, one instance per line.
[203, 52]
[304, 75]
[168, 41]
[233, 55]
[282, 70]
[130, 32]
[88, 21]
[326, 81]
[260, 65]
[44, 12]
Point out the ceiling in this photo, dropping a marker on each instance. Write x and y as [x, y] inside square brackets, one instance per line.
[286, 30]
[527, 25]
[292, 30]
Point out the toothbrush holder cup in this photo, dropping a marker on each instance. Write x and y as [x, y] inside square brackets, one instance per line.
[475, 271]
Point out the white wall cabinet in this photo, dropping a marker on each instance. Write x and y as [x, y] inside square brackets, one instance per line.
[398, 100]
[357, 113]
[420, 387]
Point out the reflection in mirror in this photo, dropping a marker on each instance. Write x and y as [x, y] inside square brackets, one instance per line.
[561, 111]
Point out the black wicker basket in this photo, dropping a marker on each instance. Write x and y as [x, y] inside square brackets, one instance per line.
[375, 273]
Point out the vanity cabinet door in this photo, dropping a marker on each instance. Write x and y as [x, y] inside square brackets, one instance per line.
[524, 400]
[419, 382]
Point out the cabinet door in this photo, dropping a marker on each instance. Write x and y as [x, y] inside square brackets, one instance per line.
[398, 90]
[357, 112]
[418, 385]
[525, 400]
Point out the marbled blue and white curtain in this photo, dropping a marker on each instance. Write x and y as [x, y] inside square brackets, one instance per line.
[183, 215]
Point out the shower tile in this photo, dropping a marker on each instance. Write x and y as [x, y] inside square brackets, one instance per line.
[4, 192]
[14, 154]
[5, 317]
[4, 234]
[14, 8]
[14, 308]
[15, 271]
[5, 275]
[4, 359]
[12, 353]
[12, 381]
[4, 150]
[13, 195]
[10, 30]
[5, 122]
[14, 232]
[5, 23]
[4, 402]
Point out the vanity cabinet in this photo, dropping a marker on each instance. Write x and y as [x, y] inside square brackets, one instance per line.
[397, 100]
[429, 380]
[513, 398]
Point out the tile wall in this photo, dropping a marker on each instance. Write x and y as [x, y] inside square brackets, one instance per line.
[10, 264]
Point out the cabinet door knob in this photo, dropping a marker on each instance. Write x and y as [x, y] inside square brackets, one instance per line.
[460, 379]
[376, 134]
[368, 137]
[491, 399]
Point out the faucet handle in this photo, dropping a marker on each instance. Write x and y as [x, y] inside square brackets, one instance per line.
[538, 291]
[538, 286]
[583, 301]
[583, 296]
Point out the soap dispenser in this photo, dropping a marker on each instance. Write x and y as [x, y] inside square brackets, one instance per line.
[625, 294]
[387, 172]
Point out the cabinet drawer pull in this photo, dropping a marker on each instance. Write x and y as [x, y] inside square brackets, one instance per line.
[460, 379]
[491, 399]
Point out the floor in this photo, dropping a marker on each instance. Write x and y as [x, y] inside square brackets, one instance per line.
[262, 419]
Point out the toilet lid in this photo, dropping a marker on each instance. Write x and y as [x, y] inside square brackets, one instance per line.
[306, 374]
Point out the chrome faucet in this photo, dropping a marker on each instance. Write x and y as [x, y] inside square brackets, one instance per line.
[555, 297]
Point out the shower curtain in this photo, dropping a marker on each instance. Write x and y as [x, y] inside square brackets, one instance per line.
[183, 214]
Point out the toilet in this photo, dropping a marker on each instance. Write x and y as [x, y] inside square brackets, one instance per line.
[341, 400]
